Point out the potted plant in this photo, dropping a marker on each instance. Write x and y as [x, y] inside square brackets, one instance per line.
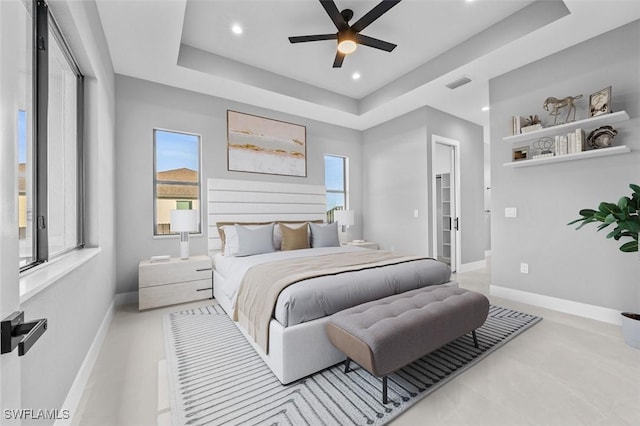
[625, 217]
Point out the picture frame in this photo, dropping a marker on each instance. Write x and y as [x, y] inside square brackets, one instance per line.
[264, 145]
[519, 154]
[600, 102]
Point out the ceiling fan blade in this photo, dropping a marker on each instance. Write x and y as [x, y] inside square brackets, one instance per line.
[337, 63]
[373, 14]
[375, 43]
[334, 14]
[317, 37]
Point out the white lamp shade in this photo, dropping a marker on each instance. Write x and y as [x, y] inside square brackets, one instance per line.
[184, 220]
[344, 217]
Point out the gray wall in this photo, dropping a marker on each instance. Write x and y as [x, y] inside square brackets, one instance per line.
[397, 165]
[471, 179]
[142, 106]
[580, 266]
[77, 303]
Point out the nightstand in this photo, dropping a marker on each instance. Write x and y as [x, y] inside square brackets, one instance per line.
[173, 281]
[365, 244]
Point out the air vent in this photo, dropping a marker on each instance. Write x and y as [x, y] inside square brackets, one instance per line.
[459, 82]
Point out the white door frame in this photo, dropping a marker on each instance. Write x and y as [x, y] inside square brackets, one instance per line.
[11, 13]
[436, 139]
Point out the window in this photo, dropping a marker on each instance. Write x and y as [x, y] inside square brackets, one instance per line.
[335, 181]
[50, 196]
[176, 177]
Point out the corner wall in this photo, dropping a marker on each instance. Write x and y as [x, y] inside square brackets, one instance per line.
[397, 176]
[142, 106]
[578, 266]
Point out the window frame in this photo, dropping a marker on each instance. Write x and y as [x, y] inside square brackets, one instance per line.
[155, 233]
[43, 22]
[345, 179]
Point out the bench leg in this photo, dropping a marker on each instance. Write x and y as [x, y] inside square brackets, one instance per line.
[347, 362]
[384, 390]
[475, 339]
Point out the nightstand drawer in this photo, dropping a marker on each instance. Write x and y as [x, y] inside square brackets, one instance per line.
[171, 294]
[173, 271]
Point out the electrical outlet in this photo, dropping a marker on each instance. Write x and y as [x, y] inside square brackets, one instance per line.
[524, 268]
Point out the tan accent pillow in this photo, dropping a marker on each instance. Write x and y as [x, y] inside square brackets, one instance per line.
[294, 238]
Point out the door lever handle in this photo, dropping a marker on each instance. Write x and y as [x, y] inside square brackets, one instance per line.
[15, 332]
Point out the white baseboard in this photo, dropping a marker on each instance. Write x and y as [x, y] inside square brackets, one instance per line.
[126, 298]
[466, 267]
[562, 305]
[80, 382]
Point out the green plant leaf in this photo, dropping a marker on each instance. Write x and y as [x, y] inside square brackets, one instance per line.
[608, 208]
[635, 188]
[629, 247]
[601, 217]
[623, 202]
[609, 219]
[616, 233]
[631, 225]
[587, 212]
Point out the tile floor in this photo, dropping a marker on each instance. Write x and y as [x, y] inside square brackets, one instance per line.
[566, 370]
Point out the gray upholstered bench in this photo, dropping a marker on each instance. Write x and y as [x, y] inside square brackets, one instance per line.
[385, 335]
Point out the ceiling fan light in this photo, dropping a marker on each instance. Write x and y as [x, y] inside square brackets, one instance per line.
[346, 42]
[347, 46]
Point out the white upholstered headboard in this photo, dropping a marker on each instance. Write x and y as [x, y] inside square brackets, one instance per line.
[230, 200]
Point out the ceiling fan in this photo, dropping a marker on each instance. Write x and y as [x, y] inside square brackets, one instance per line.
[348, 36]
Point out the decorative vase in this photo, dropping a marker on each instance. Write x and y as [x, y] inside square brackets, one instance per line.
[631, 329]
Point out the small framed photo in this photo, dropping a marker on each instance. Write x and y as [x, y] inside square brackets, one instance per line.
[521, 153]
[600, 102]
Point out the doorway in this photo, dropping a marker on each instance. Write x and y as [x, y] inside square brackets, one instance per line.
[445, 180]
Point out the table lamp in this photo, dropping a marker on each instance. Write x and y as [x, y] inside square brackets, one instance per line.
[344, 218]
[184, 221]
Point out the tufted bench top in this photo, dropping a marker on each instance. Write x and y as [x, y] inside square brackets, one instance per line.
[387, 334]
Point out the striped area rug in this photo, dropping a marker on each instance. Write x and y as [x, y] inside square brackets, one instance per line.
[216, 378]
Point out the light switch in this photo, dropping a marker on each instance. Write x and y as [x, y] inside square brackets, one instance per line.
[416, 213]
[510, 212]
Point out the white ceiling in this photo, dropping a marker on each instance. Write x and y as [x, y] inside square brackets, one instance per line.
[189, 44]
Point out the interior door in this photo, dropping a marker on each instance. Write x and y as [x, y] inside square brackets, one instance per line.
[446, 200]
[15, 51]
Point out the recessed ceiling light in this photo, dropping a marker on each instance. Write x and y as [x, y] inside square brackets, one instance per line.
[485, 108]
[355, 76]
[236, 28]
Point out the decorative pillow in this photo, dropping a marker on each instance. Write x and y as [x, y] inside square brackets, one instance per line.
[294, 238]
[325, 235]
[222, 225]
[254, 241]
[277, 233]
[230, 243]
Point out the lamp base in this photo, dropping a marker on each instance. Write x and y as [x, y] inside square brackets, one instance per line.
[184, 245]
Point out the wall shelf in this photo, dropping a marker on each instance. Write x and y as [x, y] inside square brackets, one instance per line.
[602, 152]
[593, 122]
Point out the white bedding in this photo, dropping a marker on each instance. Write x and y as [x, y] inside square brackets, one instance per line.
[325, 295]
[233, 268]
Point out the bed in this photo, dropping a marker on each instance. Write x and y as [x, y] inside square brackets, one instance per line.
[296, 344]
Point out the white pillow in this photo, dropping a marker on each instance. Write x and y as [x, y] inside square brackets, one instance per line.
[254, 241]
[325, 235]
[231, 244]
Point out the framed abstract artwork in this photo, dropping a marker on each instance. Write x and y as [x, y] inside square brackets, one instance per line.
[262, 145]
